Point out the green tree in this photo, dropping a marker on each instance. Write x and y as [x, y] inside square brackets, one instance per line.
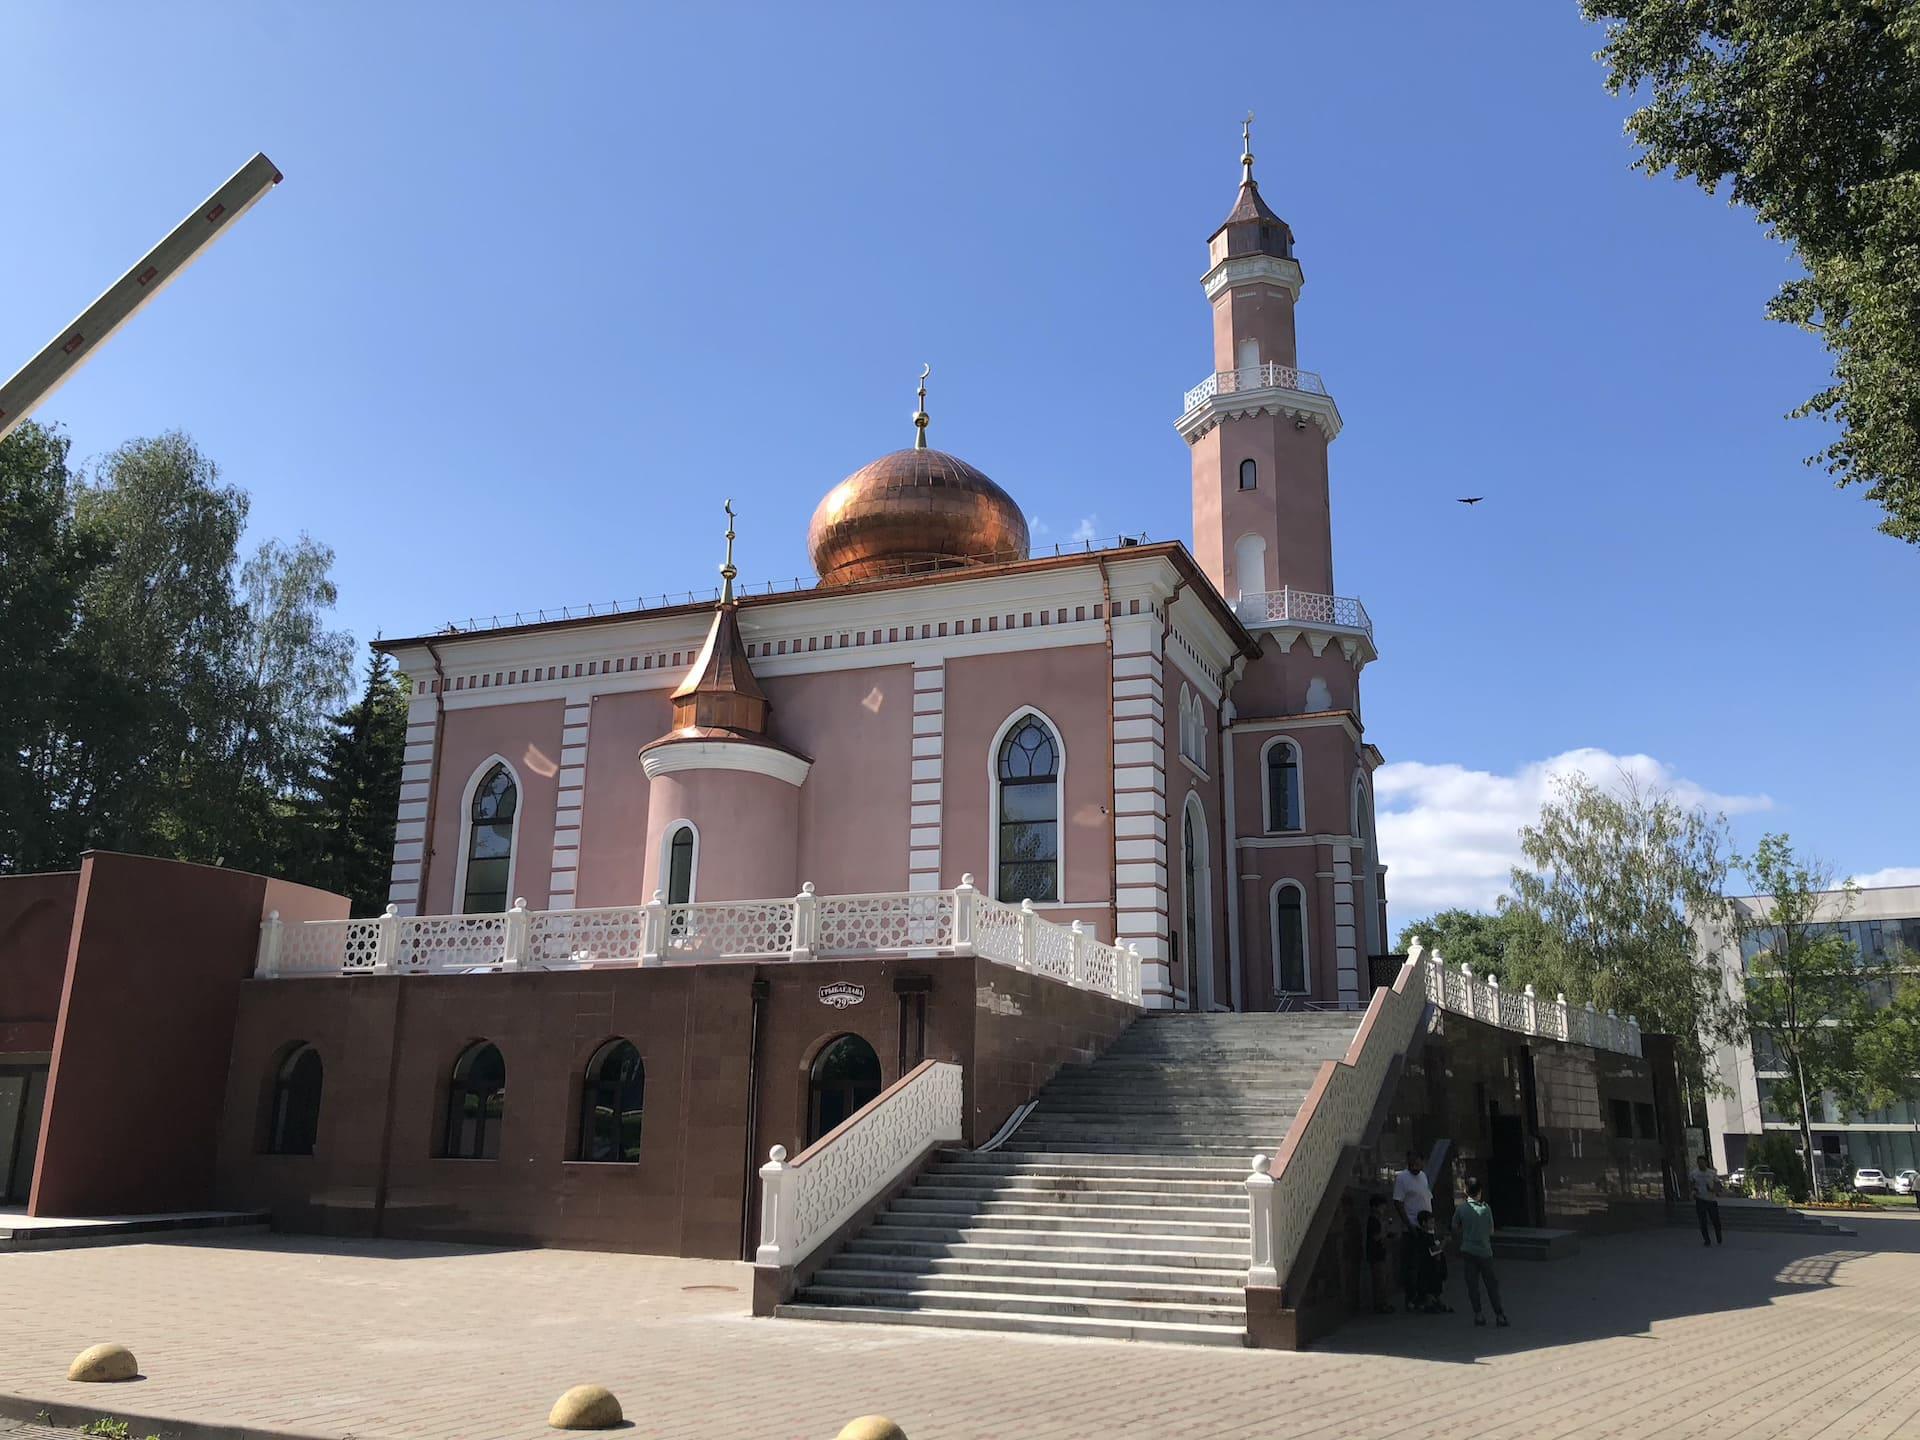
[1491, 944]
[356, 791]
[1888, 1049]
[1614, 881]
[1807, 995]
[1811, 109]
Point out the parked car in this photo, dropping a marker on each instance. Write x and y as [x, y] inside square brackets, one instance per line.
[1904, 1182]
[1736, 1178]
[1870, 1180]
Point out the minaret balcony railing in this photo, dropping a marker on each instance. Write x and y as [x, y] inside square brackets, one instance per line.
[1254, 377]
[1288, 606]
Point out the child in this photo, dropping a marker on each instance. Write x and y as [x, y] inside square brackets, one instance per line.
[1377, 1255]
[1432, 1268]
[1473, 1228]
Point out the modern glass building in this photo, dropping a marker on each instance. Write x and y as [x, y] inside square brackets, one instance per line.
[1884, 926]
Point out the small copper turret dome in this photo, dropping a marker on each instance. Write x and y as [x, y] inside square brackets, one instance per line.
[912, 511]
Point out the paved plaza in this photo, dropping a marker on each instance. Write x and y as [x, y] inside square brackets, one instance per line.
[1647, 1334]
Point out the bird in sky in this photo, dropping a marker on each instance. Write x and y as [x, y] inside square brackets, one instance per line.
[1471, 499]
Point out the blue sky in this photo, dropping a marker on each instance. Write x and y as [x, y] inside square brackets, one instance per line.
[545, 284]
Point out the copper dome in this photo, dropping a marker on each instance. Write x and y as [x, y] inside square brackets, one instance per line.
[911, 511]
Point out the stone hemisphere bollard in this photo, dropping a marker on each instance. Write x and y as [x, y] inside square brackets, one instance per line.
[585, 1407]
[99, 1364]
[871, 1427]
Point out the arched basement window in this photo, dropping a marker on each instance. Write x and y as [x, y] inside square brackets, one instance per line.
[1283, 786]
[490, 842]
[476, 1103]
[1289, 939]
[845, 1076]
[294, 1121]
[1029, 838]
[1249, 475]
[610, 1103]
[680, 856]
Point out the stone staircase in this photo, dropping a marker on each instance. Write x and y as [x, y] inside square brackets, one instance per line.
[1119, 1209]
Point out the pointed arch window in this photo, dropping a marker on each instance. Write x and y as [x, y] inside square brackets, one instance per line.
[1289, 939]
[1283, 799]
[1027, 772]
[610, 1104]
[679, 863]
[1249, 475]
[490, 826]
[294, 1123]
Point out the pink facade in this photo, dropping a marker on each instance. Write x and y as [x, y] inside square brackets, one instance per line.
[882, 733]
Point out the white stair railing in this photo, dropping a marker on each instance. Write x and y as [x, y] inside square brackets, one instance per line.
[803, 1201]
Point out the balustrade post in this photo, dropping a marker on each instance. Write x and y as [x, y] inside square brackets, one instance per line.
[386, 942]
[653, 947]
[266, 964]
[519, 934]
[1493, 1001]
[1467, 992]
[1562, 1023]
[1133, 973]
[806, 920]
[1530, 1009]
[777, 1186]
[1436, 969]
[964, 896]
[1261, 1269]
[1633, 1036]
[1589, 1024]
[1029, 937]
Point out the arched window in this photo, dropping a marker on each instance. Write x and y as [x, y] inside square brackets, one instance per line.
[1247, 353]
[1249, 475]
[1283, 786]
[1367, 865]
[490, 824]
[1289, 939]
[610, 1101]
[845, 1076]
[294, 1120]
[1196, 930]
[678, 861]
[476, 1103]
[1028, 789]
[1250, 564]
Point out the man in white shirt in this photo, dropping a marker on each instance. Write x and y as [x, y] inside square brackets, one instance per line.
[1706, 1200]
[1412, 1194]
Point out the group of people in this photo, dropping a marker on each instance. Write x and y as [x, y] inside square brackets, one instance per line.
[1423, 1251]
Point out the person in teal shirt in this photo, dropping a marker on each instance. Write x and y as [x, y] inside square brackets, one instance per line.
[1473, 1231]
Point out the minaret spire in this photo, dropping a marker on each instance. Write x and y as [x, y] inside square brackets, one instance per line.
[920, 415]
[728, 571]
[1246, 149]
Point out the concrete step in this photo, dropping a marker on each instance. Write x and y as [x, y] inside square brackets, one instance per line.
[1003, 1302]
[1220, 1249]
[1155, 1291]
[1227, 1150]
[1205, 1193]
[1064, 1207]
[1038, 1218]
[1059, 1251]
[1205, 1277]
[1191, 1334]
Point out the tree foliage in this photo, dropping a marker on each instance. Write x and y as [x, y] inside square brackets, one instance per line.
[1807, 995]
[350, 817]
[1811, 109]
[1607, 903]
[1492, 944]
[163, 697]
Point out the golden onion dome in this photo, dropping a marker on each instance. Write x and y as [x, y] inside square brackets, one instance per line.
[913, 511]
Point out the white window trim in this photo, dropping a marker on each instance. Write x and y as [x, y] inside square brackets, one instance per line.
[1273, 936]
[463, 855]
[665, 871]
[1299, 786]
[1200, 976]
[1059, 801]
[1370, 930]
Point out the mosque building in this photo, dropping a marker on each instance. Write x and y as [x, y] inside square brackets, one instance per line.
[1162, 742]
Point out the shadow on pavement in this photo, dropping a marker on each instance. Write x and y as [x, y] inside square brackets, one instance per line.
[1623, 1285]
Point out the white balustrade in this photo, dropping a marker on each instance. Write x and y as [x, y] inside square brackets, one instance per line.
[1267, 376]
[1457, 989]
[1288, 606]
[805, 1200]
[959, 921]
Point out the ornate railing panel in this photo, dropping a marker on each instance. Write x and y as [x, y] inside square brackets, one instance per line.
[742, 929]
[451, 942]
[1458, 989]
[866, 924]
[560, 938]
[803, 1201]
[1255, 377]
[1288, 606]
[996, 930]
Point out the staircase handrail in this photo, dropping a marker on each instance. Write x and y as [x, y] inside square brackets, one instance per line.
[1284, 1192]
[805, 1200]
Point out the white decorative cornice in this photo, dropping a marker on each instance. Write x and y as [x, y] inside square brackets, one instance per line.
[1299, 405]
[1237, 270]
[682, 755]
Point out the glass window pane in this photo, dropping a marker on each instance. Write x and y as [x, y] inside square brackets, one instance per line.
[1027, 802]
[680, 868]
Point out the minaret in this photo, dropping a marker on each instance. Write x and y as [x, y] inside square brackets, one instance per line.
[1259, 426]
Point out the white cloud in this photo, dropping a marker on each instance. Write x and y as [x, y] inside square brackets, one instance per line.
[1892, 875]
[1037, 527]
[1088, 528]
[1449, 835]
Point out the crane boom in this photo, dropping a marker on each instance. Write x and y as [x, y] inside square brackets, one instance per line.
[123, 299]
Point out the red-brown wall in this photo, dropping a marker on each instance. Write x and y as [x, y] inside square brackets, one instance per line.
[36, 926]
